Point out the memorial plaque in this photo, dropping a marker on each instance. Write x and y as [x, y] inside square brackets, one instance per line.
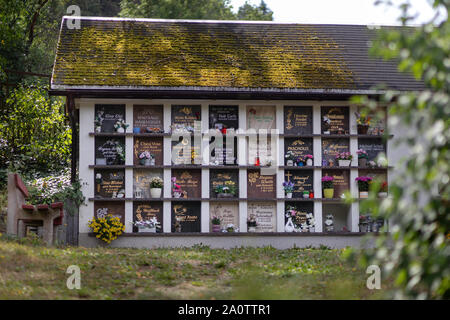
[110, 151]
[141, 181]
[109, 183]
[373, 147]
[261, 117]
[330, 148]
[298, 120]
[153, 145]
[256, 148]
[223, 117]
[300, 147]
[184, 152]
[337, 119]
[265, 214]
[376, 175]
[148, 210]
[108, 115]
[228, 178]
[341, 181]
[186, 115]
[302, 208]
[189, 181]
[260, 186]
[302, 179]
[227, 212]
[148, 116]
[104, 208]
[186, 217]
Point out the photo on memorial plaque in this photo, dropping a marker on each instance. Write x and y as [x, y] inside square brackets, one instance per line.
[109, 151]
[104, 208]
[224, 183]
[147, 217]
[303, 183]
[260, 186]
[107, 116]
[331, 148]
[374, 152]
[148, 119]
[186, 216]
[189, 181]
[148, 151]
[341, 181]
[225, 212]
[225, 120]
[335, 120]
[265, 214]
[109, 183]
[298, 152]
[261, 117]
[298, 120]
[141, 182]
[186, 118]
[299, 217]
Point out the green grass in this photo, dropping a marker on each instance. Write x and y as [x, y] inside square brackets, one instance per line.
[31, 271]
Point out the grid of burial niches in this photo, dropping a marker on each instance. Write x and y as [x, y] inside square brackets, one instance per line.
[225, 173]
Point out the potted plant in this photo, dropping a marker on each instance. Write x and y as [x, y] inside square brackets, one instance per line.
[98, 123]
[362, 158]
[176, 188]
[215, 224]
[106, 228]
[147, 225]
[230, 228]
[344, 159]
[290, 157]
[145, 158]
[156, 185]
[121, 126]
[288, 187]
[300, 161]
[363, 185]
[363, 123]
[328, 188]
[309, 160]
[251, 223]
[363, 225]
[383, 193]
[305, 194]
[326, 125]
[120, 149]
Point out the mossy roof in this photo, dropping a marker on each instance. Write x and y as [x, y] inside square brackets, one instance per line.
[146, 53]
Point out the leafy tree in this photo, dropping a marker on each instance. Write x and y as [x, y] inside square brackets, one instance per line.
[192, 9]
[417, 252]
[35, 139]
[251, 12]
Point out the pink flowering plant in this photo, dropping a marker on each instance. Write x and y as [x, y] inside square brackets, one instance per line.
[344, 156]
[145, 155]
[327, 182]
[364, 182]
[309, 156]
[362, 154]
[175, 187]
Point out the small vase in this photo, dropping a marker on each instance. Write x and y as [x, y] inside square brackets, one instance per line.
[177, 194]
[344, 163]
[152, 161]
[155, 192]
[142, 162]
[98, 129]
[362, 162]
[290, 163]
[289, 195]
[147, 162]
[300, 164]
[312, 229]
[309, 162]
[137, 130]
[306, 195]
[382, 194]
[144, 229]
[120, 130]
[216, 228]
[251, 229]
[364, 194]
[328, 193]
[326, 132]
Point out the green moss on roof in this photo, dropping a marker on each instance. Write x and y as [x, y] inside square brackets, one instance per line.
[132, 53]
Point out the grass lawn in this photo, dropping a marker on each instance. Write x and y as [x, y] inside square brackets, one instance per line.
[29, 270]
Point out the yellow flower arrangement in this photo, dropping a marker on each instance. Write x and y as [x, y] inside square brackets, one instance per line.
[107, 228]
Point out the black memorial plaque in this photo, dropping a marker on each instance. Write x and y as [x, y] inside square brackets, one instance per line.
[330, 148]
[298, 146]
[109, 151]
[109, 183]
[302, 179]
[229, 178]
[186, 114]
[298, 120]
[148, 210]
[373, 147]
[108, 115]
[338, 120]
[186, 216]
